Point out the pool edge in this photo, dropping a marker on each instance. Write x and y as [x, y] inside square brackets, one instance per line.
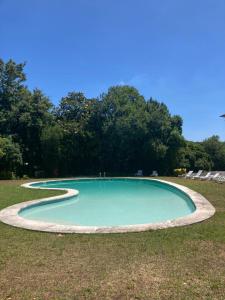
[10, 215]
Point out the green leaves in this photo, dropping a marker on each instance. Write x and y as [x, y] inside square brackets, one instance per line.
[120, 132]
[216, 150]
[193, 156]
[10, 154]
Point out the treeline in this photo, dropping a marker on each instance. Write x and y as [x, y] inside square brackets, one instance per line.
[119, 132]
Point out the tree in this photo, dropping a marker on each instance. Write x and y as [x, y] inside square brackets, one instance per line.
[23, 114]
[10, 155]
[164, 138]
[51, 150]
[123, 129]
[119, 132]
[216, 151]
[11, 86]
[194, 157]
[32, 115]
[75, 116]
[138, 134]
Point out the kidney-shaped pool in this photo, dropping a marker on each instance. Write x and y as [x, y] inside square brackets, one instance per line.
[109, 203]
[112, 202]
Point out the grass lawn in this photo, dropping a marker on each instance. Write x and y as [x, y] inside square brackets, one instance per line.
[176, 263]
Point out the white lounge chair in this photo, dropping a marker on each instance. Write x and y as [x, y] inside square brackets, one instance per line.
[139, 173]
[220, 179]
[197, 175]
[205, 177]
[215, 176]
[154, 173]
[188, 175]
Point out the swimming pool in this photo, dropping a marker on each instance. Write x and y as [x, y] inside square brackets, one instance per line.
[112, 202]
[109, 205]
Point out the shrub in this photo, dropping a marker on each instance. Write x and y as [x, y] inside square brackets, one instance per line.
[180, 171]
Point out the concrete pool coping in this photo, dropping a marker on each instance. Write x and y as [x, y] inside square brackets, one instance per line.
[10, 215]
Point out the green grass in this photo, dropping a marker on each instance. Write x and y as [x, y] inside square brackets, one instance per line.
[176, 263]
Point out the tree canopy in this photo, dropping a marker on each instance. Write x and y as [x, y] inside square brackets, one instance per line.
[119, 132]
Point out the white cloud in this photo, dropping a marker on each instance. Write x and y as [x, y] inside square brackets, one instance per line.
[136, 80]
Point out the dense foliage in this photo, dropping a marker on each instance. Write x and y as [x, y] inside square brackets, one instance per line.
[119, 133]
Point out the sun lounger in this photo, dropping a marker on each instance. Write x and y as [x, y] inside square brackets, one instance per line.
[214, 177]
[188, 175]
[220, 179]
[139, 173]
[205, 177]
[154, 174]
[197, 175]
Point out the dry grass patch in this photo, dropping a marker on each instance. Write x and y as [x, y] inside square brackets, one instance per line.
[176, 263]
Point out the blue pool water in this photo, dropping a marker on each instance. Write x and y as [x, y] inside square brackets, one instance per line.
[112, 202]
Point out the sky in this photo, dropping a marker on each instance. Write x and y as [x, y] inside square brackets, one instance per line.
[173, 51]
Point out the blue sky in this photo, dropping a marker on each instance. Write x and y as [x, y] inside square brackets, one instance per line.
[172, 50]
